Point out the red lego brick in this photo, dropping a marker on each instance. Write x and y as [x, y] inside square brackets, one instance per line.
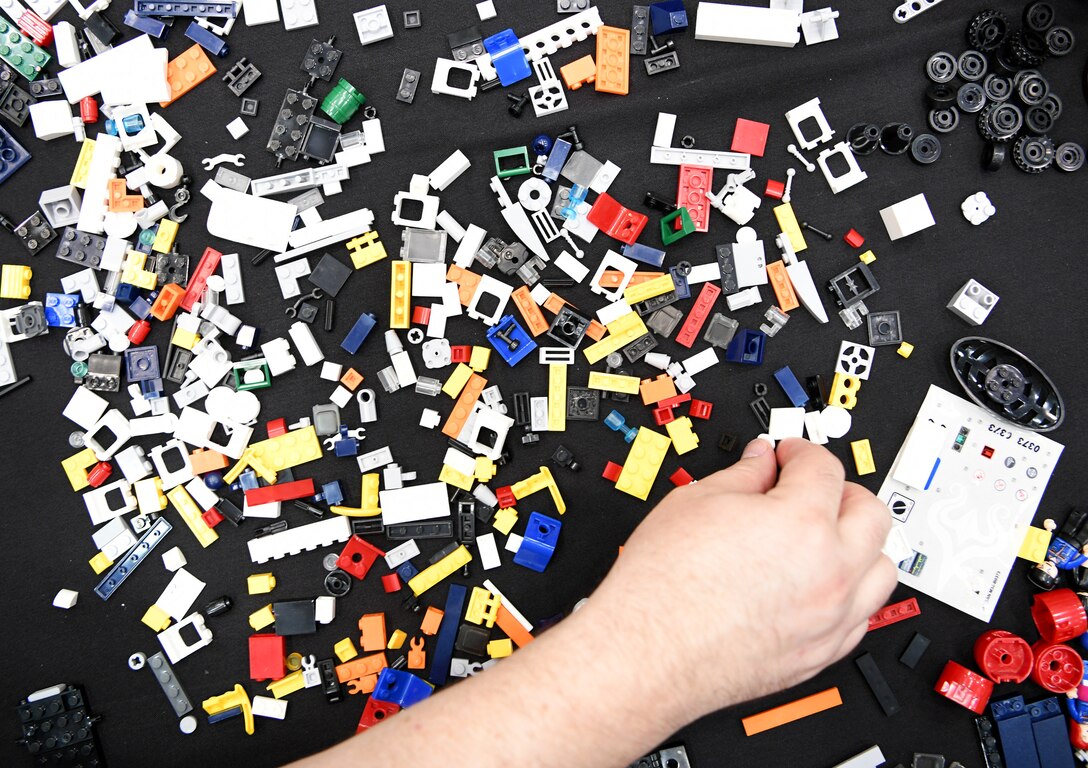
[139, 330]
[276, 427]
[506, 497]
[99, 473]
[612, 471]
[700, 409]
[357, 557]
[775, 189]
[750, 137]
[374, 712]
[691, 191]
[391, 582]
[663, 415]
[460, 353]
[296, 489]
[890, 614]
[199, 278]
[212, 517]
[267, 657]
[615, 220]
[854, 238]
[700, 311]
[36, 28]
[421, 315]
[681, 477]
[672, 402]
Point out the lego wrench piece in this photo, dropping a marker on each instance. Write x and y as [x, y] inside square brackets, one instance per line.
[210, 163]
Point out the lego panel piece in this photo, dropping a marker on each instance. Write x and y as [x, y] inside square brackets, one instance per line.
[805, 115]
[966, 564]
[907, 217]
[842, 181]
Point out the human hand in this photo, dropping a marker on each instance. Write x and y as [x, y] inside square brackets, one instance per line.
[751, 580]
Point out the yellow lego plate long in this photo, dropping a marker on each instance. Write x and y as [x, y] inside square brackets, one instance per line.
[557, 398]
[443, 569]
[190, 513]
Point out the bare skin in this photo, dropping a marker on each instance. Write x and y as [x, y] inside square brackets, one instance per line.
[780, 586]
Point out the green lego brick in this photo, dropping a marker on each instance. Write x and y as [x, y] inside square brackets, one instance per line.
[20, 52]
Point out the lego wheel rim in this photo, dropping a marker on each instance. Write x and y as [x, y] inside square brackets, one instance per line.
[1007, 383]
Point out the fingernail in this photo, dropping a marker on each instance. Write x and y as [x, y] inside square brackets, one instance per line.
[755, 449]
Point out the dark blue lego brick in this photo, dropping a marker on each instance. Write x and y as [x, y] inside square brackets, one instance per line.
[538, 544]
[146, 24]
[746, 347]
[644, 253]
[407, 571]
[1051, 736]
[668, 16]
[791, 386]
[358, 333]
[447, 634]
[510, 340]
[1014, 732]
[12, 155]
[142, 363]
[158, 8]
[207, 39]
[680, 281]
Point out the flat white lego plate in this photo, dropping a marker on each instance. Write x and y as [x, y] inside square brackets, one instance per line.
[967, 526]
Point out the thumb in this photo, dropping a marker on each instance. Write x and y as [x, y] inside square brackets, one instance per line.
[754, 473]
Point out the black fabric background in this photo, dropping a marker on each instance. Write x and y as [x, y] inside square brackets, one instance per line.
[1030, 254]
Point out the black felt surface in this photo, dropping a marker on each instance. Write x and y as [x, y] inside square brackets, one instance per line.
[1029, 254]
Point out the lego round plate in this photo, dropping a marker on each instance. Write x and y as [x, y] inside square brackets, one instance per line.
[1007, 383]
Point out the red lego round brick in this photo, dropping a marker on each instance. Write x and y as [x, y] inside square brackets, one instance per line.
[612, 471]
[99, 474]
[775, 189]
[391, 582]
[1059, 615]
[1003, 656]
[959, 684]
[1058, 668]
[681, 477]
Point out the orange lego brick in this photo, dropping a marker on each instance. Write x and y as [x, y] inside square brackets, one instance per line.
[365, 684]
[505, 621]
[431, 620]
[530, 312]
[463, 407]
[656, 390]
[167, 302]
[205, 460]
[119, 199]
[783, 288]
[466, 283]
[554, 303]
[596, 331]
[613, 278]
[372, 627]
[191, 68]
[613, 60]
[788, 713]
[351, 379]
[356, 668]
[578, 73]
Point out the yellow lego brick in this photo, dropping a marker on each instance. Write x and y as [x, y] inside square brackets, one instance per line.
[260, 583]
[682, 436]
[75, 468]
[863, 457]
[396, 640]
[557, 398]
[165, 236]
[100, 562]
[538, 482]
[482, 607]
[904, 350]
[267, 457]
[485, 469]
[621, 332]
[844, 391]
[262, 618]
[366, 249]
[504, 520]
[457, 380]
[287, 684]
[156, 618]
[787, 222]
[451, 476]
[236, 698]
[190, 513]
[868, 257]
[83, 165]
[133, 272]
[643, 463]
[149, 495]
[443, 569]
[345, 650]
[400, 295]
[647, 290]
[15, 281]
[479, 359]
[1035, 544]
[613, 382]
[500, 649]
[184, 339]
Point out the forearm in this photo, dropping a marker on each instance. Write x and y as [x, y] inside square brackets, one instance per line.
[577, 696]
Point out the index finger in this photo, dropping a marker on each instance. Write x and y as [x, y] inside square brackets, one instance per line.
[809, 475]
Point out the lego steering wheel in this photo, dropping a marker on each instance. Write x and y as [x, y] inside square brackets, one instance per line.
[1007, 383]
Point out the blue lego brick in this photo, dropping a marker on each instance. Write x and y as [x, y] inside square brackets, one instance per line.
[127, 293]
[151, 388]
[1014, 731]
[156, 8]
[407, 571]
[12, 155]
[680, 281]
[141, 307]
[668, 16]
[207, 40]
[447, 633]
[60, 310]
[510, 340]
[402, 688]
[248, 480]
[358, 333]
[746, 347]
[142, 363]
[557, 158]
[509, 60]
[791, 386]
[348, 446]
[645, 254]
[1051, 737]
[331, 493]
[538, 545]
[146, 24]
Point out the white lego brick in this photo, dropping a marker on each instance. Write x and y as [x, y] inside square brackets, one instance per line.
[907, 217]
[237, 128]
[819, 26]
[180, 594]
[663, 132]
[342, 227]
[298, 14]
[260, 12]
[414, 503]
[176, 647]
[258, 222]
[498, 290]
[110, 531]
[613, 261]
[331, 371]
[131, 73]
[264, 706]
[488, 551]
[173, 559]
[460, 462]
[374, 459]
[133, 462]
[611, 312]
[52, 119]
[486, 10]
[201, 493]
[428, 280]
[303, 538]
[733, 161]
[148, 497]
[555, 356]
[288, 275]
[471, 242]
[750, 263]
[85, 407]
[540, 294]
[814, 428]
[574, 269]
[580, 225]
[269, 511]
[84, 282]
[538, 414]
[449, 170]
[64, 38]
[723, 23]
[513, 543]
[973, 302]
[430, 418]
[66, 598]
[324, 612]
[373, 137]
[606, 174]
[699, 362]
[704, 273]
[341, 397]
[786, 422]
[746, 298]
[870, 758]
[190, 394]
[436, 322]
[401, 554]
[98, 506]
[440, 80]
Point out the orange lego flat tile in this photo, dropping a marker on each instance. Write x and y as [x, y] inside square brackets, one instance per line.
[466, 283]
[351, 379]
[431, 620]
[596, 331]
[505, 621]
[530, 312]
[191, 68]
[356, 668]
[119, 199]
[463, 407]
[613, 278]
[579, 72]
[788, 713]
[783, 288]
[613, 60]
[656, 390]
[554, 303]
[372, 627]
